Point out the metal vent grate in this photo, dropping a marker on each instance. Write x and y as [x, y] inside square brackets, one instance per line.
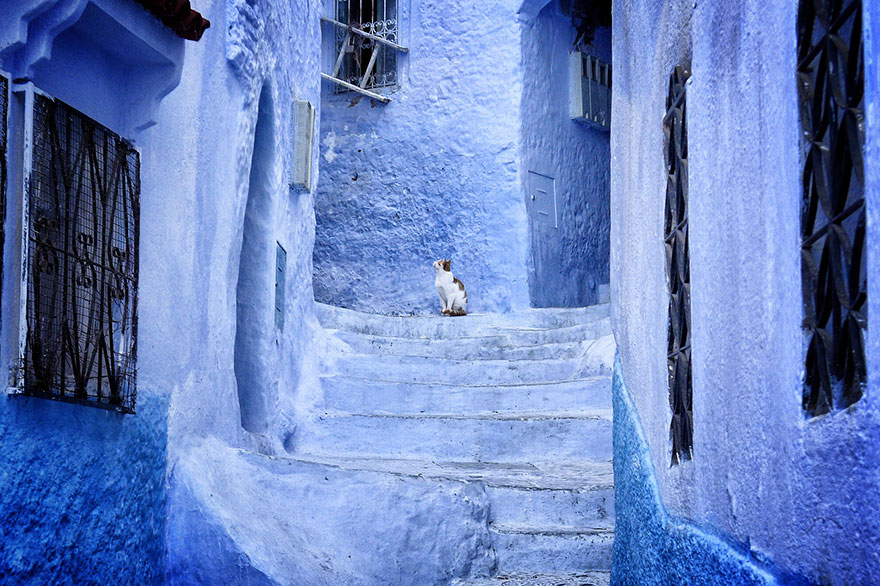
[678, 267]
[82, 261]
[831, 81]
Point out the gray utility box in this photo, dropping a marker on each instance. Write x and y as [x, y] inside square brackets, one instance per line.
[590, 90]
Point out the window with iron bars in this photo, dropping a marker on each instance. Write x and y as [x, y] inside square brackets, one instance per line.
[377, 18]
[831, 81]
[678, 268]
[82, 210]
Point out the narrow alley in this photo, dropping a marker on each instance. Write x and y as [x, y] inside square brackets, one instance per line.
[439, 293]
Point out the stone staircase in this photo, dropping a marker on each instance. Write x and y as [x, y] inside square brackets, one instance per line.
[519, 404]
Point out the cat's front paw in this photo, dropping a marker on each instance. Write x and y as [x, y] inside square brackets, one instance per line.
[446, 311]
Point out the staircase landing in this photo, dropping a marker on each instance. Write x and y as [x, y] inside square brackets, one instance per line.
[518, 405]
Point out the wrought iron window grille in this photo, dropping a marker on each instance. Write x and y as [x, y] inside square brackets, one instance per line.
[678, 271]
[81, 242]
[366, 39]
[831, 83]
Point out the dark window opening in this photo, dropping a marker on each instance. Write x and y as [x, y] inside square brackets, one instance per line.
[379, 18]
[82, 261]
[831, 82]
[678, 268]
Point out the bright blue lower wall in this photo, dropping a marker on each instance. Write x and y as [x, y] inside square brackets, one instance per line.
[82, 494]
[650, 546]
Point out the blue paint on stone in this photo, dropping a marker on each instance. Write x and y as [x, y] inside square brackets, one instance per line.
[432, 174]
[652, 547]
[83, 498]
[568, 262]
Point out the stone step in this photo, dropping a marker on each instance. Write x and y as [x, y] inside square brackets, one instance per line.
[569, 494]
[438, 326]
[571, 475]
[530, 548]
[591, 506]
[344, 393]
[491, 438]
[511, 344]
[597, 578]
[423, 370]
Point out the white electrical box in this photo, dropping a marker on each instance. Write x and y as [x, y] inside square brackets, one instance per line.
[590, 90]
[303, 131]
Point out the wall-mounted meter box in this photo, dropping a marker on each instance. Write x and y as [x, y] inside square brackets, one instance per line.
[590, 90]
[303, 132]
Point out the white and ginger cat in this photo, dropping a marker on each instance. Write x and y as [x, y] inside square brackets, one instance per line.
[451, 290]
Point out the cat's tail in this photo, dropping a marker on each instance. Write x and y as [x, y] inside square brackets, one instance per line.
[458, 311]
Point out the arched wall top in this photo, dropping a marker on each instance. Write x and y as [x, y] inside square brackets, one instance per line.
[84, 52]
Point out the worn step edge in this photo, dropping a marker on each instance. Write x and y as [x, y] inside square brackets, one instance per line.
[496, 350]
[552, 531]
[550, 476]
[361, 396]
[585, 415]
[593, 578]
[499, 337]
[367, 380]
[548, 318]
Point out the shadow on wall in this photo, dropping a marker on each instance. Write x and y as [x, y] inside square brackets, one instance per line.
[567, 166]
[652, 547]
[254, 292]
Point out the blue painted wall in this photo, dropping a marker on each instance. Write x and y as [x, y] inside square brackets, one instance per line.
[83, 493]
[793, 489]
[82, 490]
[569, 262]
[432, 174]
[650, 546]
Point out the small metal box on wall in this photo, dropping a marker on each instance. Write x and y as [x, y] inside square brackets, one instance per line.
[303, 130]
[542, 196]
[280, 284]
[590, 90]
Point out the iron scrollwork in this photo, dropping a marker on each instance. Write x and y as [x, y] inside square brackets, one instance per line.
[678, 271]
[377, 18]
[83, 261]
[831, 82]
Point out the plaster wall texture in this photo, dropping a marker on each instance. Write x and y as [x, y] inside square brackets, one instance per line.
[791, 489]
[83, 497]
[96, 486]
[566, 263]
[650, 545]
[133, 61]
[82, 490]
[262, 520]
[434, 173]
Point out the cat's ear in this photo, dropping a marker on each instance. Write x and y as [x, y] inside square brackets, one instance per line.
[447, 264]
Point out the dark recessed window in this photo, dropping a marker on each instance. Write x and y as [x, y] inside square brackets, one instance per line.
[831, 82]
[82, 261]
[678, 267]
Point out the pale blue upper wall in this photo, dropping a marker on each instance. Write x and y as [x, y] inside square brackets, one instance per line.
[566, 263]
[432, 174]
[792, 490]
